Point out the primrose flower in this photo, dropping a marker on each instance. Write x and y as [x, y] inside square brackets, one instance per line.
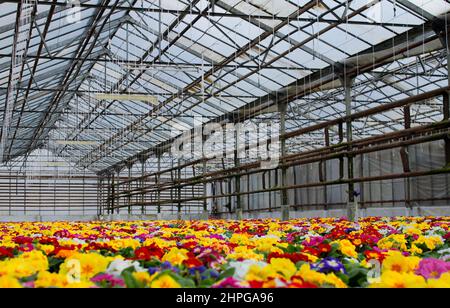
[432, 268]
[165, 282]
[329, 265]
[116, 267]
[394, 279]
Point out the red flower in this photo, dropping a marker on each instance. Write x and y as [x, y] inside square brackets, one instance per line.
[304, 285]
[447, 236]
[374, 255]
[324, 248]
[48, 241]
[62, 234]
[189, 245]
[99, 246]
[192, 261]
[23, 240]
[148, 252]
[311, 251]
[294, 257]
[6, 252]
[26, 247]
[58, 249]
[256, 284]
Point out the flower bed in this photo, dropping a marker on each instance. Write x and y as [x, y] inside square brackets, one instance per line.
[303, 253]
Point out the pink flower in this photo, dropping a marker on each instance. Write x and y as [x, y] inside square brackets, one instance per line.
[432, 268]
[114, 281]
[229, 282]
[313, 241]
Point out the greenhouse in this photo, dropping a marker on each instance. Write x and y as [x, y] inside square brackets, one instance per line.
[224, 143]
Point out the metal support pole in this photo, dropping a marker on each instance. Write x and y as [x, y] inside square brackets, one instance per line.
[142, 185]
[282, 108]
[111, 192]
[99, 196]
[352, 206]
[130, 167]
[179, 191]
[117, 182]
[237, 179]
[158, 182]
[205, 194]
[325, 174]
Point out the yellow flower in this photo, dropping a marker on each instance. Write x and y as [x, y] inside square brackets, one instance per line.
[442, 282]
[9, 282]
[320, 279]
[175, 256]
[431, 242]
[85, 266]
[258, 273]
[47, 280]
[25, 265]
[396, 262]
[242, 252]
[47, 249]
[415, 250]
[393, 241]
[348, 249]
[144, 277]
[284, 266]
[165, 282]
[241, 239]
[391, 279]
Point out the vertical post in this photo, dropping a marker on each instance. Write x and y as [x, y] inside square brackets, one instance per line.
[118, 190]
[113, 191]
[205, 192]
[352, 206]
[341, 159]
[143, 160]
[179, 190]
[99, 195]
[282, 108]
[130, 167]
[404, 155]
[237, 179]
[325, 187]
[158, 181]
[109, 195]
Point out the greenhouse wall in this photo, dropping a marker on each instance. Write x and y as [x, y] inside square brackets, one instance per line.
[404, 196]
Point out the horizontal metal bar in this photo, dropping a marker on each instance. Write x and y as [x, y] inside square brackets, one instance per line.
[211, 13]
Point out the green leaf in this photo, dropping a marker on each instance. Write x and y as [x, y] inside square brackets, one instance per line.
[227, 273]
[130, 281]
[54, 264]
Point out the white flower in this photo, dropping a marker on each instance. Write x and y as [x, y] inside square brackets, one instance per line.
[444, 251]
[242, 267]
[118, 266]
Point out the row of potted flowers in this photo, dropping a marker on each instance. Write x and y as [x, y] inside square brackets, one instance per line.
[301, 253]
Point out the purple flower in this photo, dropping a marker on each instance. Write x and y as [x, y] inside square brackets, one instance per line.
[330, 265]
[199, 269]
[432, 268]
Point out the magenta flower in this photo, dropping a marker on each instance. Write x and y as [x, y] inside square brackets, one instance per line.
[432, 268]
[112, 280]
[313, 241]
[229, 282]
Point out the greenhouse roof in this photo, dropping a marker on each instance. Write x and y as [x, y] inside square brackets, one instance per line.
[219, 60]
